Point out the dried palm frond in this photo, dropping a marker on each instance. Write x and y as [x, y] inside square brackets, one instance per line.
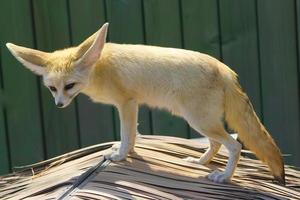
[154, 171]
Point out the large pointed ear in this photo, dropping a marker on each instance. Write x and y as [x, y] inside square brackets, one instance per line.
[32, 59]
[90, 50]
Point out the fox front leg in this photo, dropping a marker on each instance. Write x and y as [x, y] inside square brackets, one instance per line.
[128, 117]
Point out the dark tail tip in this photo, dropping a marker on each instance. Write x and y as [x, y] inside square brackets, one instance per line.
[281, 178]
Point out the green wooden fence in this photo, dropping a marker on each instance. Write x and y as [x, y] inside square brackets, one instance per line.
[258, 39]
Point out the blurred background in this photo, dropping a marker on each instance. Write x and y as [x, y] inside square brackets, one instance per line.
[258, 39]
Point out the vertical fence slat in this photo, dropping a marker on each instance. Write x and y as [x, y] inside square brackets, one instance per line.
[200, 23]
[4, 159]
[52, 33]
[4, 167]
[20, 85]
[163, 28]
[96, 120]
[297, 10]
[240, 45]
[277, 35]
[126, 26]
[200, 30]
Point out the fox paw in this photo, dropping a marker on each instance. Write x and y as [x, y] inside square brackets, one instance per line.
[192, 160]
[218, 177]
[115, 156]
[116, 146]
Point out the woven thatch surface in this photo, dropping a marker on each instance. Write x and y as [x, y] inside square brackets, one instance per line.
[155, 171]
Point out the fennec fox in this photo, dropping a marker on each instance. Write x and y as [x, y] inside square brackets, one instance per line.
[189, 84]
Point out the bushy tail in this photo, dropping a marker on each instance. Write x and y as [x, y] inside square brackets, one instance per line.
[241, 117]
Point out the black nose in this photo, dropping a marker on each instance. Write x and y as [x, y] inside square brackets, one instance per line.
[59, 104]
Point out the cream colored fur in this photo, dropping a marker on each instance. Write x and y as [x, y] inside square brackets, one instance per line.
[189, 84]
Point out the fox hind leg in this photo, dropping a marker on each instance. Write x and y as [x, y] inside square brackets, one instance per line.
[234, 149]
[207, 120]
[208, 155]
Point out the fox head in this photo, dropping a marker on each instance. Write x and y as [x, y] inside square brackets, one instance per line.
[65, 72]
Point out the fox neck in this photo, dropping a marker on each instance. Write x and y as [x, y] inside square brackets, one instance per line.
[97, 88]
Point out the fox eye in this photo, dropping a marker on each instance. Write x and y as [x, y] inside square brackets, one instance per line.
[52, 88]
[69, 86]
